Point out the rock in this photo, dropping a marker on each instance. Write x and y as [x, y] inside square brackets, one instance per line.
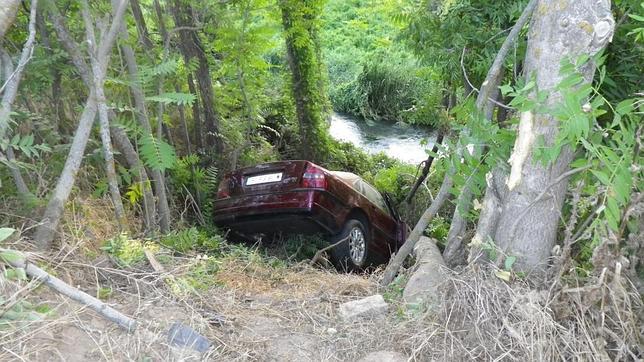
[384, 356]
[331, 331]
[424, 283]
[371, 306]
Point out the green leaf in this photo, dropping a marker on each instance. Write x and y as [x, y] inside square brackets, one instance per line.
[181, 99]
[11, 257]
[509, 261]
[625, 106]
[601, 176]
[157, 154]
[6, 233]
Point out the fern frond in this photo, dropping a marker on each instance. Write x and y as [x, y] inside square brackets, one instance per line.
[156, 153]
[181, 99]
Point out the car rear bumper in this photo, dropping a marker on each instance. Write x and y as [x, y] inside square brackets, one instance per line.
[296, 211]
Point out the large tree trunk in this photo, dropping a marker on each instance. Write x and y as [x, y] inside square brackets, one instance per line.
[45, 232]
[303, 63]
[8, 10]
[191, 47]
[485, 103]
[559, 30]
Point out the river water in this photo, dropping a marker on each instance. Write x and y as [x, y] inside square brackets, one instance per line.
[399, 141]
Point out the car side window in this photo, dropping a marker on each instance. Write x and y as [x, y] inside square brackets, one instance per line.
[374, 196]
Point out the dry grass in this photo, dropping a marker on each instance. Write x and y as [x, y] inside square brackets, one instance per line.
[254, 309]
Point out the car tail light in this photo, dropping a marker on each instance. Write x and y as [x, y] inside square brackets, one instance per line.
[313, 178]
[224, 189]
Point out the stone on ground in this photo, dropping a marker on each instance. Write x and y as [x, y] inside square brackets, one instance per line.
[384, 356]
[372, 306]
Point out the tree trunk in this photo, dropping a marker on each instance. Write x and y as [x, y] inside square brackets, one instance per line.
[126, 148]
[558, 31]
[99, 69]
[396, 262]
[191, 47]
[45, 232]
[10, 87]
[196, 114]
[141, 27]
[489, 92]
[16, 174]
[8, 10]
[56, 88]
[303, 63]
[427, 165]
[120, 138]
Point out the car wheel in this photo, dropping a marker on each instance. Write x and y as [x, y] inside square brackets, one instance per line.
[353, 252]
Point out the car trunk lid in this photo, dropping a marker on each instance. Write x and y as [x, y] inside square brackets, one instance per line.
[265, 178]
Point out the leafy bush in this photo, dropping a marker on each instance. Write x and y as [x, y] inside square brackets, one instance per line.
[127, 251]
[192, 238]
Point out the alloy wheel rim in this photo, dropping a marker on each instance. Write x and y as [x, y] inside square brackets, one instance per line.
[357, 245]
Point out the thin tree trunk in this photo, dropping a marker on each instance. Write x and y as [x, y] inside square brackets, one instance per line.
[302, 60]
[56, 89]
[10, 87]
[45, 232]
[99, 69]
[120, 138]
[126, 148]
[196, 114]
[427, 165]
[16, 174]
[396, 262]
[489, 92]
[191, 47]
[527, 229]
[142, 115]
[21, 185]
[141, 27]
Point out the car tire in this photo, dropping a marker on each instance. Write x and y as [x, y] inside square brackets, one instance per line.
[353, 253]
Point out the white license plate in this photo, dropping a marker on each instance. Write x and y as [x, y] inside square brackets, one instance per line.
[263, 179]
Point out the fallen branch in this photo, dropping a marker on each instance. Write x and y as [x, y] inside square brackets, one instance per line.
[396, 262]
[18, 260]
[319, 253]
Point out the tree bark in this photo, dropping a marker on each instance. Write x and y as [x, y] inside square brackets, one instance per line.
[396, 262]
[120, 137]
[485, 103]
[16, 174]
[427, 165]
[196, 114]
[56, 88]
[99, 69]
[10, 87]
[8, 10]
[303, 63]
[191, 47]
[558, 31]
[45, 232]
[141, 27]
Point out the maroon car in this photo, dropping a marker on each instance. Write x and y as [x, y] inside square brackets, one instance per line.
[302, 197]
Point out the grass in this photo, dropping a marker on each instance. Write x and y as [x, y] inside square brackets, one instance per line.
[254, 301]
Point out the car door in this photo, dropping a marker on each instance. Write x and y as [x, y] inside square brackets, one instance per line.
[383, 225]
